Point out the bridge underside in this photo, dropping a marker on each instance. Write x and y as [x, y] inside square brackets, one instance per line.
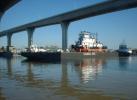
[5, 5]
[66, 18]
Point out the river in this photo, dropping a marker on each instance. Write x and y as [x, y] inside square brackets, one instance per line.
[85, 79]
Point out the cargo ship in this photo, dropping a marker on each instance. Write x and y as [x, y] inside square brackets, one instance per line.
[88, 43]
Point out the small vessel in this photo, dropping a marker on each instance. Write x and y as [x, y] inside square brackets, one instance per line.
[38, 54]
[124, 50]
[88, 43]
[6, 54]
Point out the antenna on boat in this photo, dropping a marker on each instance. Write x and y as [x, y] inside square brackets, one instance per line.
[96, 36]
[123, 42]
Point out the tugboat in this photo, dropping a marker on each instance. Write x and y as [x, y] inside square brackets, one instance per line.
[39, 54]
[124, 50]
[88, 43]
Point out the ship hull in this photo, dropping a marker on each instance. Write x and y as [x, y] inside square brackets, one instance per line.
[124, 54]
[42, 56]
[82, 49]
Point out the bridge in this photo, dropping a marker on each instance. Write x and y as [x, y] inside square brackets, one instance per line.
[5, 5]
[66, 18]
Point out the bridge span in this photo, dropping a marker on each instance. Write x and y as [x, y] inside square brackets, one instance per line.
[66, 18]
[5, 5]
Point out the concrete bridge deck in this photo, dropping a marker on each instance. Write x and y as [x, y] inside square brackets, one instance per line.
[68, 17]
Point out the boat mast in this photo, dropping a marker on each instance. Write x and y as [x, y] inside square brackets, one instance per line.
[96, 36]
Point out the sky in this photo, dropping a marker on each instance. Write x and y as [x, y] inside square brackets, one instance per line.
[112, 28]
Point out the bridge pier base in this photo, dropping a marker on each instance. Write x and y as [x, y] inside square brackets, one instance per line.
[64, 26]
[9, 36]
[30, 32]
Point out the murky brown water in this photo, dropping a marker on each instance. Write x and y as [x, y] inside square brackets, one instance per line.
[86, 79]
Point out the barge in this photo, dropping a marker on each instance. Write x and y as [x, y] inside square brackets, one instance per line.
[42, 56]
[35, 54]
[6, 54]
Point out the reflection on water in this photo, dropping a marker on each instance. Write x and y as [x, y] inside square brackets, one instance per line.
[90, 68]
[124, 62]
[99, 79]
[9, 67]
[1, 95]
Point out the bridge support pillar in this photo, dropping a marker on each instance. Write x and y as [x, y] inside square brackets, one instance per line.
[30, 32]
[9, 36]
[64, 26]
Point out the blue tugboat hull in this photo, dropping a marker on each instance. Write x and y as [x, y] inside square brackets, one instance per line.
[124, 54]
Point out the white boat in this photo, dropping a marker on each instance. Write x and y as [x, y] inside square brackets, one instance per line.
[88, 43]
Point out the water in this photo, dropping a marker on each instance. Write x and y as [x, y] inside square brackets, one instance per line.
[86, 79]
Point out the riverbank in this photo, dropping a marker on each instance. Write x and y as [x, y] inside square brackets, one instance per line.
[67, 55]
